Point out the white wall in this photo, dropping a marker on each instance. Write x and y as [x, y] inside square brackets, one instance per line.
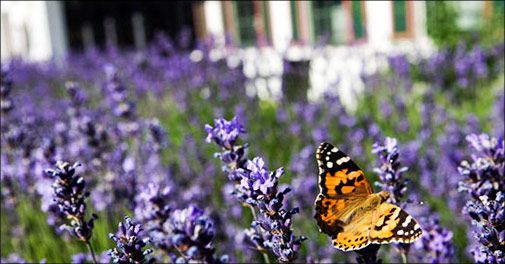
[214, 20]
[32, 29]
[280, 21]
[379, 23]
[420, 30]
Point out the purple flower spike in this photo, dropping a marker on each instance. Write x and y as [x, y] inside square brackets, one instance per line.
[192, 233]
[224, 132]
[436, 241]
[390, 170]
[5, 89]
[485, 182]
[257, 188]
[129, 244]
[70, 198]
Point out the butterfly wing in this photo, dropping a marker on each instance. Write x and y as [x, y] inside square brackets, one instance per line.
[355, 235]
[338, 174]
[329, 212]
[342, 186]
[384, 224]
[393, 224]
[343, 189]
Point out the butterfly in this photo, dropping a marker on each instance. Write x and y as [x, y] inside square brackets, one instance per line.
[350, 212]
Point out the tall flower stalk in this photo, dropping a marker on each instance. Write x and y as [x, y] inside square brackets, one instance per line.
[70, 197]
[484, 182]
[390, 170]
[390, 174]
[257, 188]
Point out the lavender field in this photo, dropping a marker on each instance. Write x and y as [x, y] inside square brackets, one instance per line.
[171, 155]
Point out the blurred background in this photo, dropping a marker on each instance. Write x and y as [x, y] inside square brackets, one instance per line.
[268, 31]
[40, 30]
[126, 88]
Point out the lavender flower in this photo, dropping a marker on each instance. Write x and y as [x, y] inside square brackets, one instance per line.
[225, 133]
[390, 170]
[6, 104]
[13, 258]
[129, 248]
[118, 99]
[152, 210]
[81, 258]
[400, 65]
[485, 182]
[70, 197]
[158, 134]
[436, 242]
[257, 187]
[192, 233]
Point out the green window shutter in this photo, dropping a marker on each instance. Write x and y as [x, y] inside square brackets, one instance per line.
[266, 22]
[400, 16]
[294, 17]
[327, 18]
[498, 6]
[244, 17]
[357, 14]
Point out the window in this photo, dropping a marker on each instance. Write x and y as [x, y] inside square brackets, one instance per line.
[252, 23]
[358, 19]
[244, 14]
[294, 17]
[400, 16]
[402, 19]
[499, 7]
[328, 18]
[89, 21]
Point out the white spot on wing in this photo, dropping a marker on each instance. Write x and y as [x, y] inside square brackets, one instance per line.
[407, 221]
[329, 164]
[334, 149]
[343, 160]
[400, 232]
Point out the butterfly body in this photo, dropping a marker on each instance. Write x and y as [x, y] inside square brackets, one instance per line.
[350, 212]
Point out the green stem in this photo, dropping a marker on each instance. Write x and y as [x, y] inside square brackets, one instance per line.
[90, 248]
[404, 257]
[265, 257]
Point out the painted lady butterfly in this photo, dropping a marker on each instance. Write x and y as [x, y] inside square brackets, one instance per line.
[350, 212]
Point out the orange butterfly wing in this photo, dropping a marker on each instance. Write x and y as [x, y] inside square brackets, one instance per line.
[338, 174]
[393, 224]
[342, 186]
[344, 213]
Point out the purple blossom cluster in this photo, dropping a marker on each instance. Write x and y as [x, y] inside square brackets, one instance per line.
[192, 234]
[257, 187]
[5, 89]
[484, 182]
[436, 242]
[462, 66]
[390, 170]
[70, 197]
[129, 245]
[183, 234]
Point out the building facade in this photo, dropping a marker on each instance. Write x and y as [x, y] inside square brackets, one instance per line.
[285, 23]
[40, 30]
